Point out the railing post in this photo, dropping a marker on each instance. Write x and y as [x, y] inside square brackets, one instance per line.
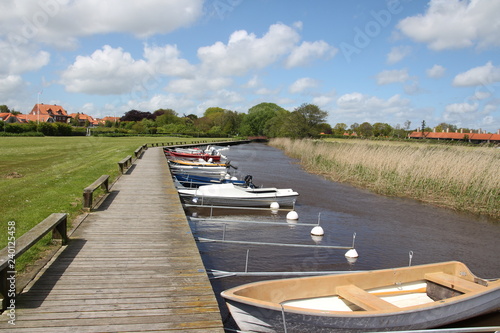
[7, 277]
[61, 231]
[87, 199]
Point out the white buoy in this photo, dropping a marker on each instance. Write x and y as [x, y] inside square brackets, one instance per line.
[352, 253]
[292, 215]
[317, 231]
[234, 178]
[275, 205]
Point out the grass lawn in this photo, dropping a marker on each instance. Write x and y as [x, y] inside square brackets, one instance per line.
[44, 175]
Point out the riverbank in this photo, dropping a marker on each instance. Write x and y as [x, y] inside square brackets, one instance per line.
[457, 177]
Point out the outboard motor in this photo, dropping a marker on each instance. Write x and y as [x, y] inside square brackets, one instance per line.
[248, 181]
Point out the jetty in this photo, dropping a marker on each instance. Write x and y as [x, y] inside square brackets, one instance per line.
[131, 265]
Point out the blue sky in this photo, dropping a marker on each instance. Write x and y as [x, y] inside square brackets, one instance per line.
[361, 61]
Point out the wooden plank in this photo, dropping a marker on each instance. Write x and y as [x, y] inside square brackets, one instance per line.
[131, 265]
[454, 282]
[363, 299]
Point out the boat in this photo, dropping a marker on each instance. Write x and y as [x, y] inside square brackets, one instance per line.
[200, 162]
[232, 195]
[408, 298]
[193, 180]
[193, 155]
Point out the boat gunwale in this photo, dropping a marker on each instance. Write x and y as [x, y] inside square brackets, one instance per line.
[229, 295]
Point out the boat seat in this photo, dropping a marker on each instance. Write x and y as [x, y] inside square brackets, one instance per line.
[363, 299]
[453, 282]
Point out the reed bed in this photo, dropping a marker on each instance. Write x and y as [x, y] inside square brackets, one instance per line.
[458, 177]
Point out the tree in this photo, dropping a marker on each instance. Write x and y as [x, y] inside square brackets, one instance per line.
[339, 129]
[365, 129]
[166, 116]
[354, 128]
[4, 109]
[134, 115]
[306, 120]
[382, 129]
[258, 120]
[407, 125]
[443, 127]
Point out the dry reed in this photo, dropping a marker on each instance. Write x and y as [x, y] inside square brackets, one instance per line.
[458, 177]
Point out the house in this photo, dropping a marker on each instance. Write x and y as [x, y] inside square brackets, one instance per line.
[103, 121]
[56, 112]
[83, 118]
[9, 118]
[471, 137]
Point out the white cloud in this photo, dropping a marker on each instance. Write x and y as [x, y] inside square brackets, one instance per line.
[245, 51]
[107, 71]
[9, 85]
[453, 24]
[114, 71]
[482, 75]
[166, 60]
[21, 59]
[303, 84]
[358, 107]
[460, 113]
[398, 53]
[198, 87]
[61, 22]
[323, 100]
[392, 76]
[480, 95]
[436, 71]
[309, 51]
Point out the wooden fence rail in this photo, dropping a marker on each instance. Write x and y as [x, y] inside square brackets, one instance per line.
[57, 223]
[88, 192]
[125, 163]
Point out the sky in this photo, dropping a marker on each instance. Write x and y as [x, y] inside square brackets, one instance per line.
[389, 61]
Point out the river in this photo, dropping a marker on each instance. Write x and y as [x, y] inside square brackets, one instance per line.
[387, 230]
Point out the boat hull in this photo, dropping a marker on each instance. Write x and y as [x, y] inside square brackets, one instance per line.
[255, 319]
[407, 298]
[285, 201]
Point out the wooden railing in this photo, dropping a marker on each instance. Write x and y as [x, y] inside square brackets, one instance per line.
[125, 163]
[57, 223]
[138, 152]
[88, 192]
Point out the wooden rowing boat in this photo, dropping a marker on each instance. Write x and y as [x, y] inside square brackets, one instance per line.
[416, 297]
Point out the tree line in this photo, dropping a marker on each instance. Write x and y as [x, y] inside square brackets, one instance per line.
[264, 119]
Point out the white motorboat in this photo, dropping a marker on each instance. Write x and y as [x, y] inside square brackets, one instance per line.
[232, 195]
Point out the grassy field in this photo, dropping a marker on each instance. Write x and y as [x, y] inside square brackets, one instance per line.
[44, 175]
[463, 178]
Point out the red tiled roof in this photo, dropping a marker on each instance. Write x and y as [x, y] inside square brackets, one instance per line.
[49, 109]
[34, 117]
[456, 136]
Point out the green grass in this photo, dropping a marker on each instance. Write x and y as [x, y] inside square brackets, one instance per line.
[51, 175]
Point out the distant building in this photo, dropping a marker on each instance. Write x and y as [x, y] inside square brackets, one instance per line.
[103, 121]
[9, 118]
[471, 137]
[43, 111]
[83, 118]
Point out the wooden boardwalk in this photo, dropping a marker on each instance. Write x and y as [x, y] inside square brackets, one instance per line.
[132, 265]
